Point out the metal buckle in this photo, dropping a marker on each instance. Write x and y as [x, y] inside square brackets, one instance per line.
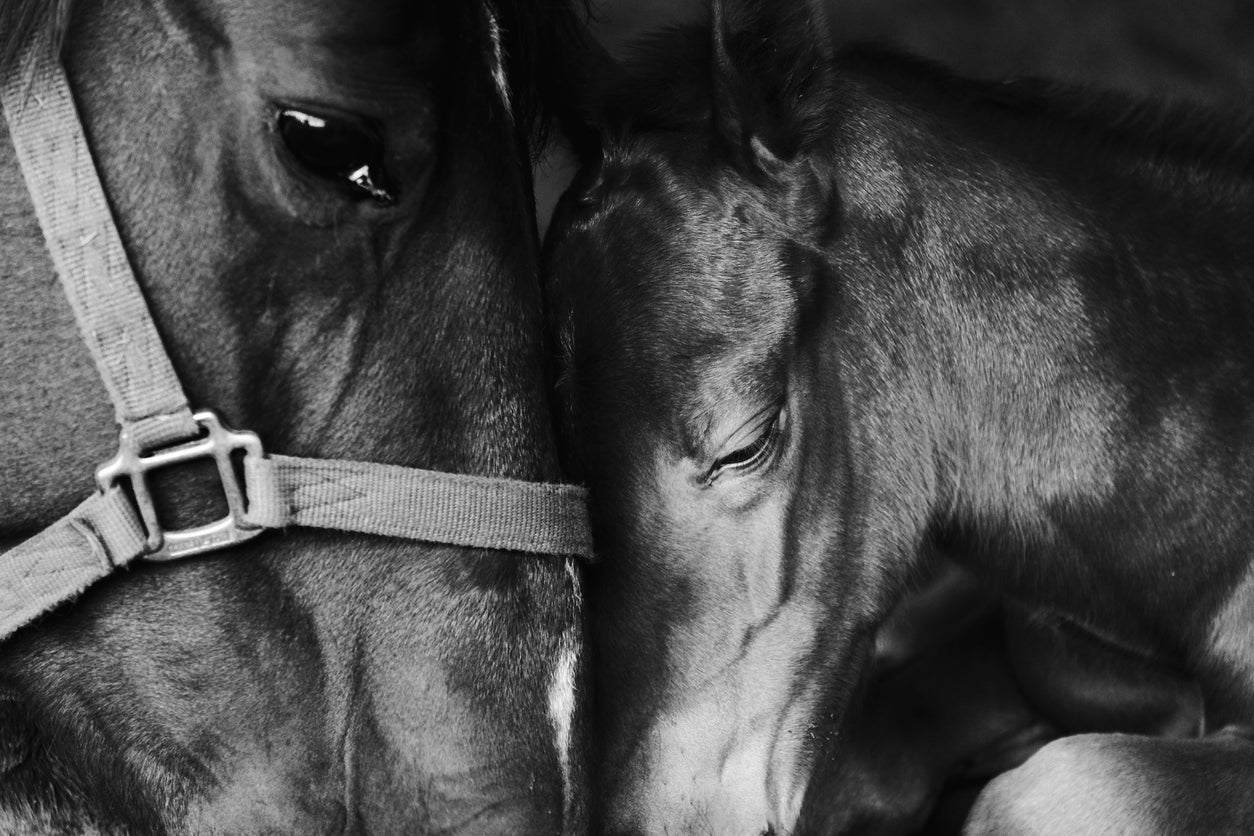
[218, 443]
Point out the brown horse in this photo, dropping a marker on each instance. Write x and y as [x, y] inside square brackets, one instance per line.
[306, 682]
[827, 315]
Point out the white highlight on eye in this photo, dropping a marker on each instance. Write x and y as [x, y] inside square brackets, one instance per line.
[307, 119]
[498, 60]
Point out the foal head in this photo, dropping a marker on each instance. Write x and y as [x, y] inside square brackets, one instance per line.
[683, 271]
[329, 208]
[825, 314]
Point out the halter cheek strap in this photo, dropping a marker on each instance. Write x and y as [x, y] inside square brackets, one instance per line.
[115, 527]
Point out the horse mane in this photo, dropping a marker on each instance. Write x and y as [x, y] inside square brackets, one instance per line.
[665, 87]
[1170, 131]
[545, 43]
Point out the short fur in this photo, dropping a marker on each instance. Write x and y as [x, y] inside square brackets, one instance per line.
[1016, 323]
[310, 681]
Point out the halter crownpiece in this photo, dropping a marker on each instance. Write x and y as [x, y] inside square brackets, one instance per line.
[114, 527]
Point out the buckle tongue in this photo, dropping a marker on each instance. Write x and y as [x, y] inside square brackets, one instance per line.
[218, 444]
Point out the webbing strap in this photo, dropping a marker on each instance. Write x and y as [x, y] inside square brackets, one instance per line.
[57, 564]
[417, 504]
[87, 251]
[105, 532]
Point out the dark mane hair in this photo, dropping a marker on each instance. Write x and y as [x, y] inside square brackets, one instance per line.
[1173, 131]
[665, 87]
[664, 84]
[545, 43]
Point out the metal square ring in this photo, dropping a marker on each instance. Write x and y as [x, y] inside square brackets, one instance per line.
[218, 443]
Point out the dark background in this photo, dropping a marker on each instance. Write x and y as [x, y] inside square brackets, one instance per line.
[1201, 50]
[1172, 50]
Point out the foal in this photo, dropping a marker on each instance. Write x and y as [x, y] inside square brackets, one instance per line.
[825, 312]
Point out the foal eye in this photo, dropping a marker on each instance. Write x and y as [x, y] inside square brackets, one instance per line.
[341, 149]
[752, 454]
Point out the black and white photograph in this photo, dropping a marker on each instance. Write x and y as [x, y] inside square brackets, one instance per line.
[626, 417]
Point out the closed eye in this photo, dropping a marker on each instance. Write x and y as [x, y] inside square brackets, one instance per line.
[751, 456]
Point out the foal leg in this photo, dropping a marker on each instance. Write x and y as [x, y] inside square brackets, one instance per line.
[1084, 683]
[1117, 784]
[952, 713]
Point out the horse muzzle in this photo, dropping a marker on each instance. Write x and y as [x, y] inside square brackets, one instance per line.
[704, 771]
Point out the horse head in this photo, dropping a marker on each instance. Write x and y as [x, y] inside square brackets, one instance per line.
[329, 208]
[827, 315]
[686, 274]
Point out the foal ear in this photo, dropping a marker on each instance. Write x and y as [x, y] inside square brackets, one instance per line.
[772, 78]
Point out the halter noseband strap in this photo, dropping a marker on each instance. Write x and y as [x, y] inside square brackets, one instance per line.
[159, 429]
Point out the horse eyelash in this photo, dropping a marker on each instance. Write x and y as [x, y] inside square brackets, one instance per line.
[761, 446]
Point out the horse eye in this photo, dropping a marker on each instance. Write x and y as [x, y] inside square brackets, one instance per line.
[340, 149]
[751, 455]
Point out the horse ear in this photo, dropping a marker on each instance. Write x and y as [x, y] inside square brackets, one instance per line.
[772, 78]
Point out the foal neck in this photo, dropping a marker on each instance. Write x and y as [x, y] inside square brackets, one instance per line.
[1073, 360]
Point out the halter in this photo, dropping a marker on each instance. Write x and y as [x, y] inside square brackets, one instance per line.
[158, 429]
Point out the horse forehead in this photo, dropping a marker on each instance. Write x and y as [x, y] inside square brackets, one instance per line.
[695, 220]
[721, 278]
[376, 52]
[383, 41]
[675, 283]
[365, 21]
[699, 207]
